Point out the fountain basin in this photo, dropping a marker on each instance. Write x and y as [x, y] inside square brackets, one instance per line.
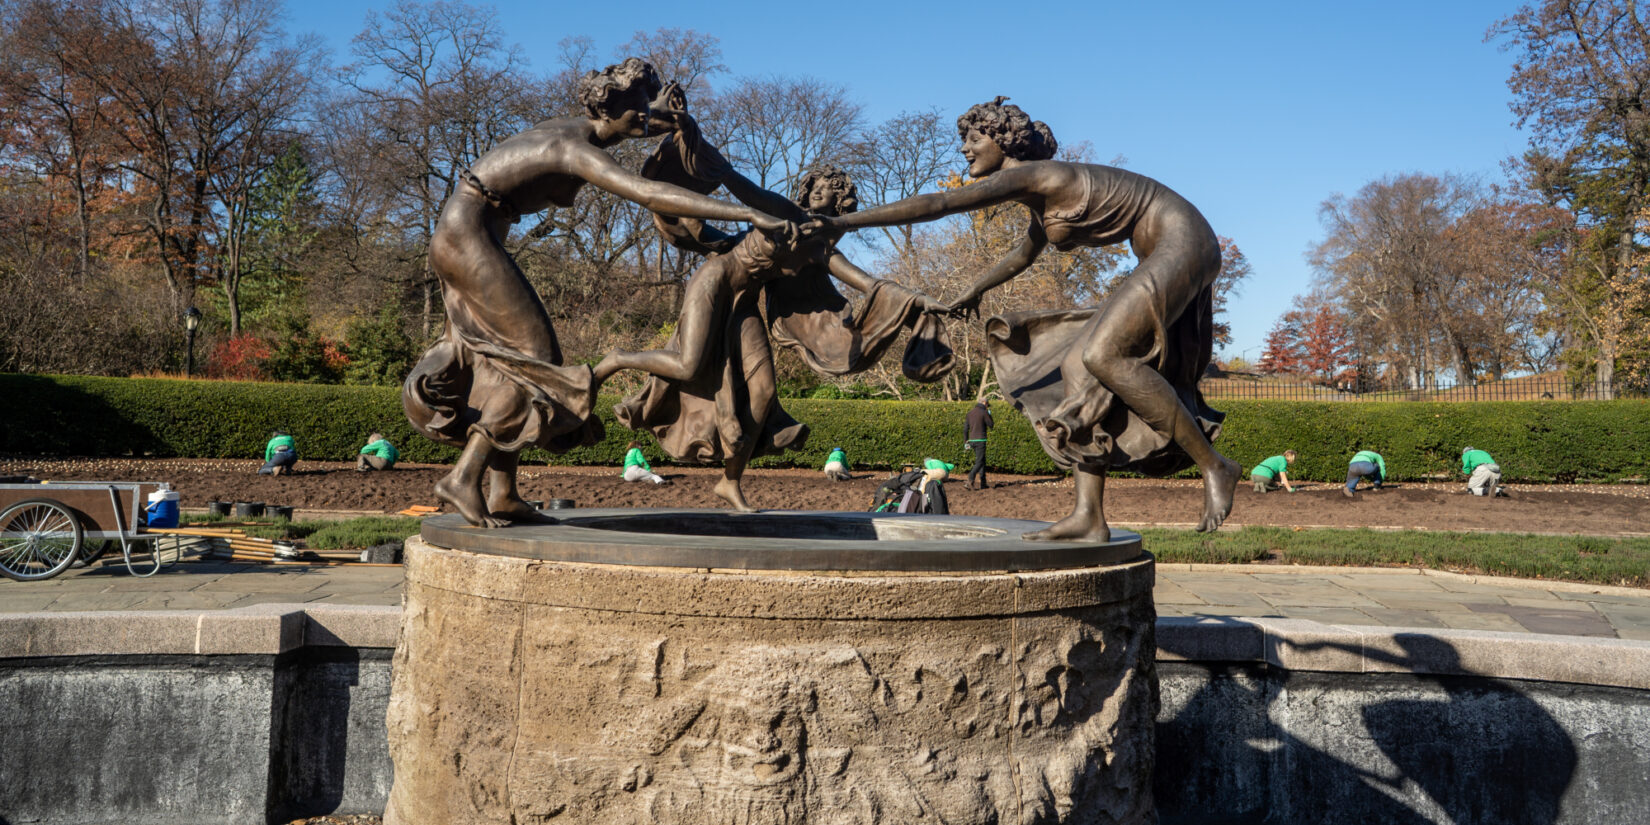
[704, 667]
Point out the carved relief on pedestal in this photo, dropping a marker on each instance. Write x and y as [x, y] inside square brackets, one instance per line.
[536, 713]
[837, 733]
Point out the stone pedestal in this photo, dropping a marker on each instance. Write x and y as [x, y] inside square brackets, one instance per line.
[530, 688]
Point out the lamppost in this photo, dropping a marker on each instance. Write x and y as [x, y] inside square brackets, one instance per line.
[191, 322]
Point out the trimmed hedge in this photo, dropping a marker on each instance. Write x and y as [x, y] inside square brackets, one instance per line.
[1533, 441]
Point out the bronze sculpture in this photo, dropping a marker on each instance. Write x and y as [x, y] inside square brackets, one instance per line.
[1114, 386]
[495, 384]
[712, 395]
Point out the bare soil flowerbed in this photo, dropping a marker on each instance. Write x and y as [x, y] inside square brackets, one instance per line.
[318, 486]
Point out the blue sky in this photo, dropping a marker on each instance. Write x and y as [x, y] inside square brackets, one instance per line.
[1255, 111]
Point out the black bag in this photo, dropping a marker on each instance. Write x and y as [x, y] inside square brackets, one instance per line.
[890, 493]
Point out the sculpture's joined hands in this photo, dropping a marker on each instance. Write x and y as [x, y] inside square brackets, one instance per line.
[1109, 387]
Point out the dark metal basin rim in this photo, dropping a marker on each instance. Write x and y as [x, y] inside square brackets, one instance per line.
[784, 540]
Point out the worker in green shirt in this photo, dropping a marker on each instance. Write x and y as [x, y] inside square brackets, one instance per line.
[636, 467]
[279, 454]
[1269, 474]
[836, 465]
[379, 454]
[1365, 463]
[1483, 474]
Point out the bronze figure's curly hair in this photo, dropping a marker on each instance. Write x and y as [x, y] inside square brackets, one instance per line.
[847, 199]
[597, 88]
[1014, 131]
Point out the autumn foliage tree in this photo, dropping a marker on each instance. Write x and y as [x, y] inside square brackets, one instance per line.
[1581, 85]
[1312, 339]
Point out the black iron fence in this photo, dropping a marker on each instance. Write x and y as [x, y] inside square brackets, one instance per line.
[1534, 388]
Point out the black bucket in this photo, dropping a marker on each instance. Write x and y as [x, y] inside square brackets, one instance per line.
[218, 508]
[536, 504]
[562, 504]
[249, 508]
[279, 511]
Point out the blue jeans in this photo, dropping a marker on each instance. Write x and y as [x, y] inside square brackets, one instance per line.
[281, 458]
[1359, 469]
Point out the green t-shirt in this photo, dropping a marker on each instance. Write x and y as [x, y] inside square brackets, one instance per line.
[634, 458]
[1472, 458]
[1372, 457]
[1271, 467]
[838, 456]
[383, 449]
[277, 443]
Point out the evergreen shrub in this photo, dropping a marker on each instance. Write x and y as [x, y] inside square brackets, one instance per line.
[1536, 441]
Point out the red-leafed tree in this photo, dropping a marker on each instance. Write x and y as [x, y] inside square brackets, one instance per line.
[1312, 339]
[1282, 353]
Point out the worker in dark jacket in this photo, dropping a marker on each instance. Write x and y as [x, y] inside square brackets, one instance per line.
[975, 428]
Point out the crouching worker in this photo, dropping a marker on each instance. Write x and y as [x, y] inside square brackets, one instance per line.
[379, 454]
[1270, 474]
[1483, 474]
[636, 467]
[932, 486]
[279, 454]
[1366, 464]
[836, 465]
[915, 491]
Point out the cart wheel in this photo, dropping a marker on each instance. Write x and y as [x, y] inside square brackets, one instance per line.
[91, 550]
[38, 539]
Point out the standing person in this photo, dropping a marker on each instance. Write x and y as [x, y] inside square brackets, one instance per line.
[379, 454]
[1365, 463]
[1483, 474]
[279, 454]
[1269, 474]
[636, 467]
[975, 428]
[836, 465]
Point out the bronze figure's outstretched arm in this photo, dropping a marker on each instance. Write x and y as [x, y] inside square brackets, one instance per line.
[763, 200]
[1018, 259]
[1025, 183]
[600, 169]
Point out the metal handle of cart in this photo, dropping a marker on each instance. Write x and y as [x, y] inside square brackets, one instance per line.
[128, 538]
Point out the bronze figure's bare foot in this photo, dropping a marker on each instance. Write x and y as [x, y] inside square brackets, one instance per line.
[729, 490]
[1078, 526]
[467, 500]
[517, 511]
[1218, 489]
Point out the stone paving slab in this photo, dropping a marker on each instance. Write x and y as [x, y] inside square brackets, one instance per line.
[1481, 621]
[1560, 622]
[1392, 597]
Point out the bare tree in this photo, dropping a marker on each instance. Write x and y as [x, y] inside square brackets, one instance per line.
[437, 87]
[1437, 273]
[1234, 270]
[908, 154]
[61, 123]
[779, 127]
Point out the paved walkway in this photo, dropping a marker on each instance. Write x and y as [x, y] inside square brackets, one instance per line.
[1348, 596]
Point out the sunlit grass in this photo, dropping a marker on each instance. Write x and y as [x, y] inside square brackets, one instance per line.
[1590, 559]
[321, 534]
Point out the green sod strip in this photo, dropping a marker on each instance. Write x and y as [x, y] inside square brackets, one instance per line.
[1589, 559]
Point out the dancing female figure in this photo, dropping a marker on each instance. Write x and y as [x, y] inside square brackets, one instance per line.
[495, 383]
[1145, 347]
[712, 395]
